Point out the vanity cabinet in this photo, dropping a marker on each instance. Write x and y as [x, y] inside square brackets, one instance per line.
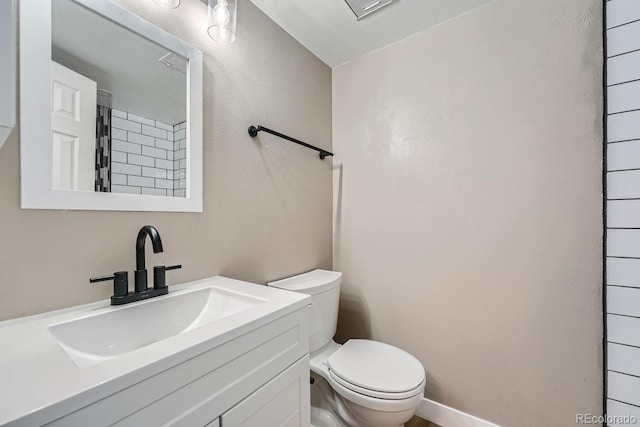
[283, 401]
[260, 378]
[7, 68]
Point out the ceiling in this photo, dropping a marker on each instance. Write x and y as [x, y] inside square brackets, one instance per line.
[329, 29]
[120, 61]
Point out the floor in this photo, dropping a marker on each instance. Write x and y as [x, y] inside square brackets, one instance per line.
[419, 422]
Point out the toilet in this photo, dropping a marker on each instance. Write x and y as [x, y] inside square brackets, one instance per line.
[362, 383]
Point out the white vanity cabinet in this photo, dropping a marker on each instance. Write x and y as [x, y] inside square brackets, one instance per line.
[260, 378]
[7, 68]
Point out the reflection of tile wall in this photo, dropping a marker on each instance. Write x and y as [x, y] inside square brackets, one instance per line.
[180, 159]
[142, 156]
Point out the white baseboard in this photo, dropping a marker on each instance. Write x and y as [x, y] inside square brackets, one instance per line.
[445, 416]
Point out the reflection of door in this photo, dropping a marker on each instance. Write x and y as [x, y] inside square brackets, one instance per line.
[73, 126]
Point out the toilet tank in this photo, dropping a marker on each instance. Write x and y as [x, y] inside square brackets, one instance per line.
[324, 288]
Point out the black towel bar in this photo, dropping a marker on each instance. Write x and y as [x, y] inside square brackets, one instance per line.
[253, 131]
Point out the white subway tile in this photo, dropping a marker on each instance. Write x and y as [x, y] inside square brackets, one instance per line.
[126, 147]
[164, 183]
[183, 184]
[117, 122]
[118, 156]
[125, 169]
[179, 193]
[154, 172]
[143, 120]
[154, 152]
[623, 388]
[621, 413]
[623, 126]
[164, 126]
[182, 144]
[176, 184]
[118, 134]
[622, 358]
[164, 144]
[621, 12]
[164, 164]
[623, 39]
[623, 68]
[623, 272]
[140, 139]
[140, 181]
[625, 301]
[183, 163]
[623, 185]
[624, 97]
[180, 173]
[182, 125]
[118, 113]
[623, 330]
[154, 131]
[125, 189]
[176, 165]
[623, 214]
[623, 155]
[154, 191]
[181, 134]
[118, 179]
[623, 243]
[180, 154]
[134, 159]
[169, 175]
[170, 155]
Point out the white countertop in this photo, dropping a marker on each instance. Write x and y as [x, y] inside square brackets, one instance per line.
[40, 382]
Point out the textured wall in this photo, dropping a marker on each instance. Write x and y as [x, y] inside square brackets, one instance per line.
[267, 203]
[469, 211]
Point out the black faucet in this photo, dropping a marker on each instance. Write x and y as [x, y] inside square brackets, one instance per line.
[141, 271]
[121, 293]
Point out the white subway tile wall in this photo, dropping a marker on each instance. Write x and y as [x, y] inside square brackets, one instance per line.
[623, 207]
[179, 159]
[143, 156]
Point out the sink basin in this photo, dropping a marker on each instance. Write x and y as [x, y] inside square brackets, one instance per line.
[96, 338]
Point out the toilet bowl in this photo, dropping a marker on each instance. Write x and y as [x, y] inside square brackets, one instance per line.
[364, 382]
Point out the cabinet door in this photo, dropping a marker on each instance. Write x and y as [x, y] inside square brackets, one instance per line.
[282, 402]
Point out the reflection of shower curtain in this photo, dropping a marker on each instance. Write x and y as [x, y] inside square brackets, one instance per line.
[103, 149]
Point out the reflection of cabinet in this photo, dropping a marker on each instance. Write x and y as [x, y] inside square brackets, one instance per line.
[7, 68]
[260, 378]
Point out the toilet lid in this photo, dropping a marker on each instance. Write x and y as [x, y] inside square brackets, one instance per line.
[376, 366]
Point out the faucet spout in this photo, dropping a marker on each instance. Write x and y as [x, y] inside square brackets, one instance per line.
[156, 242]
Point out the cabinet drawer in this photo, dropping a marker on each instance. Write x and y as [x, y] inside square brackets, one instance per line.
[200, 389]
[282, 402]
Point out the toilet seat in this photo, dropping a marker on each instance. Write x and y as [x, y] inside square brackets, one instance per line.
[377, 394]
[374, 403]
[376, 369]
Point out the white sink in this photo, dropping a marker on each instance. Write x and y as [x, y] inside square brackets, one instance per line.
[96, 338]
[60, 361]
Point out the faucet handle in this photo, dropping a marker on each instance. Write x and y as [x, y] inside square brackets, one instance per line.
[159, 276]
[120, 282]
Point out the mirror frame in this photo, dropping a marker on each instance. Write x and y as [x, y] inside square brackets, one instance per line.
[35, 116]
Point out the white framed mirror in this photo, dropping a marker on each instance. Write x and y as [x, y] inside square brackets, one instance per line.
[110, 111]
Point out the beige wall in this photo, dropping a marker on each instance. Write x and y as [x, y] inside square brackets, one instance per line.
[267, 206]
[468, 212]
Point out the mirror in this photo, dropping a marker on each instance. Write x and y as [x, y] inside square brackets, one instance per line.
[111, 110]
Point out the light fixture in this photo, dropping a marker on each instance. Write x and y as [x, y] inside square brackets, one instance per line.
[169, 4]
[222, 20]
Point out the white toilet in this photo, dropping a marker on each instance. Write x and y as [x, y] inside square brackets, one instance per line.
[363, 383]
